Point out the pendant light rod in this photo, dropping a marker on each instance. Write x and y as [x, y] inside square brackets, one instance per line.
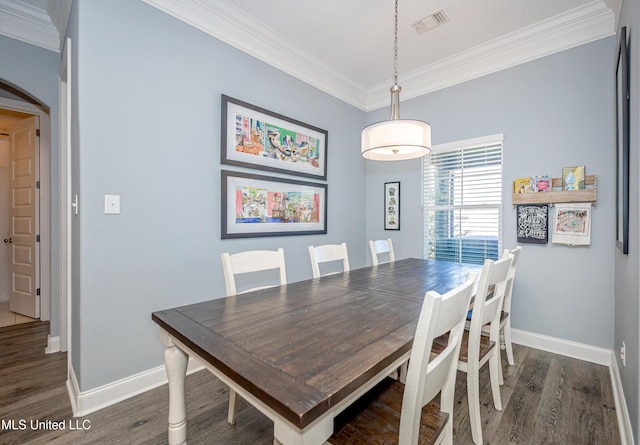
[396, 139]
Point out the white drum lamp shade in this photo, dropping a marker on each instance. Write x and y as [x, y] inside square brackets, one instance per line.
[396, 140]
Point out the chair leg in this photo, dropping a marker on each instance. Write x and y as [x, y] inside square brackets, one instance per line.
[507, 342]
[494, 374]
[403, 372]
[473, 397]
[233, 407]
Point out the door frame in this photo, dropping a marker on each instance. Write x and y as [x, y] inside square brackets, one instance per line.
[44, 153]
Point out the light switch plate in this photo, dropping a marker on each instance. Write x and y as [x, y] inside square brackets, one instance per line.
[112, 204]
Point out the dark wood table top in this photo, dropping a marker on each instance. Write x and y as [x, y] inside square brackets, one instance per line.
[303, 347]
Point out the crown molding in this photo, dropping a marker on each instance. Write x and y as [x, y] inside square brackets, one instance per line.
[579, 26]
[29, 24]
[224, 21]
[59, 11]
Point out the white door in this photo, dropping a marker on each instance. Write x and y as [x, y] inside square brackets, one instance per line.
[24, 290]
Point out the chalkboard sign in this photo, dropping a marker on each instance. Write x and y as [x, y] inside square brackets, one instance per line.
[533, 223]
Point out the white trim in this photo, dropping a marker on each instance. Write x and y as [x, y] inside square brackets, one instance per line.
[231, 25]
[226, 22]
[53, 345]
[591, 354]
[473, 142]
[578, 26]
[73, 389]
[624, 421]
[567, 348]
[87, 402]
[64, 254]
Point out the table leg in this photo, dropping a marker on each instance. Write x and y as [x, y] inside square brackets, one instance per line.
[175, 362]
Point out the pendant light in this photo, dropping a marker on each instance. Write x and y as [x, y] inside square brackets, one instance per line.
[396, 139]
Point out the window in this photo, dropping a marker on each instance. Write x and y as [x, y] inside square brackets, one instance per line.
[463, 201]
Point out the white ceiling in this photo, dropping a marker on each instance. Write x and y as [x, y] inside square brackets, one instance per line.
[346, 47]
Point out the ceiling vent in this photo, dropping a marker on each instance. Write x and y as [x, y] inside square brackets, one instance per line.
[430, 22]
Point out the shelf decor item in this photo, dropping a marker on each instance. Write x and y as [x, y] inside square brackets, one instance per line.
[572, 224]
[522, 185]
[541, 183]
[573, 178]
[257, 138]
[533, 223]
[392, 205]
[254, 205]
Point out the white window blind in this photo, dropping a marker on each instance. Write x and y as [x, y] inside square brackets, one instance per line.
[463, 201]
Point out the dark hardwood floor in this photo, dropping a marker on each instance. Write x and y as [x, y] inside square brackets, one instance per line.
[547, 399]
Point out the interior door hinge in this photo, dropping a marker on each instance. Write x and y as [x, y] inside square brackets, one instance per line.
[37, 238]
[38, 291]
[38, 132]
[37, 184]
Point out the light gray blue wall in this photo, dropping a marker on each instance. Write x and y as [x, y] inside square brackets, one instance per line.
[34, 71]
[554, 112]
[146, 126]
[148, 97]
[627, 267]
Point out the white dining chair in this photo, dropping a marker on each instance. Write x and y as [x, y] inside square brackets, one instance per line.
[411, 413]
[244, 263]
[252, 261]
[505, 314]
[382, 247]
[328, 253]
[477, 350]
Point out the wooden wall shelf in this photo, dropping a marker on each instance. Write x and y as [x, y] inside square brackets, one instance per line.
[588, 194]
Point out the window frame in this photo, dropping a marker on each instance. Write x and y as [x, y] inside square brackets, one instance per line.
[459, 146]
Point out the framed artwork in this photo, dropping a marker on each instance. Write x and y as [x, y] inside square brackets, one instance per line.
[391, 206]
[533, 223]
[573, 178]
[622, 144]
[258, 138]
[572, 224]
[255, 205]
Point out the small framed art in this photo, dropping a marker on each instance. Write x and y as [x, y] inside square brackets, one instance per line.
[392, 205]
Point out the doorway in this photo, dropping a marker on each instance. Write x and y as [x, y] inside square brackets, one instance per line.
[16, 250]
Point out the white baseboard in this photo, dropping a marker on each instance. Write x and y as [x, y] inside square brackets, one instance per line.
[87, 402]
[600, 356]
[624, 421]
[53, 344]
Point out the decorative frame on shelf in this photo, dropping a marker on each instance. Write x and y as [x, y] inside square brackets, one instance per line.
[532, 223]
[392, 205]
[622, 144]
[255, 206]
[257, 138]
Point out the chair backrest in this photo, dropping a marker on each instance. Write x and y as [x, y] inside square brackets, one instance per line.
[381, 246]
[487, 303]
[327, 253]
[427, 377]
[506, 305]
[251, 261]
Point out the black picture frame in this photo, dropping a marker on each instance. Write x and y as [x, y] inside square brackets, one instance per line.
[254, 137]
[392, 205]
[622, 144]
[532, 223]
[259, 206]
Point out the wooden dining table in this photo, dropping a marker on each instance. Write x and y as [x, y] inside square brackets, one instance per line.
[303, 352]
